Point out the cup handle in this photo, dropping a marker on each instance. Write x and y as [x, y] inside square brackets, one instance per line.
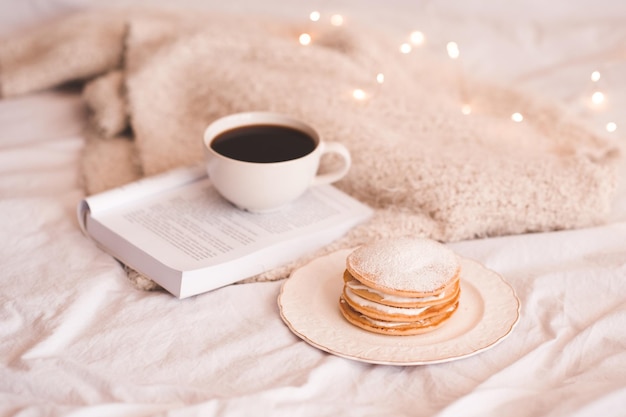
[336, 175]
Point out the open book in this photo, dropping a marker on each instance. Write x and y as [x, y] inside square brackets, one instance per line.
[177, 230]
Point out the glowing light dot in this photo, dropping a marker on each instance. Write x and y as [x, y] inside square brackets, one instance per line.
[517, 117]
[314, 16]
[417, 38]
[611, 127]
[453, 50]
[405, 48]
[380, 78]
[359, 94]
[305, 39]
[336, 20]
[466, 109]
[597, 97]
[595, 76]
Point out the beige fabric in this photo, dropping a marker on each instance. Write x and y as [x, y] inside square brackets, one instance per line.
[75, 48]
[425, 167]
[106, 99]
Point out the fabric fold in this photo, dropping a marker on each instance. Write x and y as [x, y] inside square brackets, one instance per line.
[77, 47]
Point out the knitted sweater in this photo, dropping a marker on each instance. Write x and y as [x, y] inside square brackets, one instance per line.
[155, 79]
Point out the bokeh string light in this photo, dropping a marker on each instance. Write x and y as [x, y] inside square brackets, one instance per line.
[305, 39]
[453, 50]
[315, 16]
[359, 94]
[611, 127]
[406, 48]
[597, 97]
[595, 76]
[336, 20]
[417, 38]
[517, 117]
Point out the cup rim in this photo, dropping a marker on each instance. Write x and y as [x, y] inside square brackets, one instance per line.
[242, 119]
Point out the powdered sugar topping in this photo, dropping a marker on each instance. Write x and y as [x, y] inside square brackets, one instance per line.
[408, 264]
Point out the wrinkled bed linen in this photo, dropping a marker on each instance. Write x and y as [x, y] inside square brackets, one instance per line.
[77, 339]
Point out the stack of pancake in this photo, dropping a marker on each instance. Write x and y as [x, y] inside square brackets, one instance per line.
[401, 286]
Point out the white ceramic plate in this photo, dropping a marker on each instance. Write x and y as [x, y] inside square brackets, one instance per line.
[309, 305]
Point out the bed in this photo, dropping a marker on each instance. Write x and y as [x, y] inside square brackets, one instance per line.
[78, 339]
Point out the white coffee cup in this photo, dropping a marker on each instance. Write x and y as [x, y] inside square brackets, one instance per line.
[252, 162]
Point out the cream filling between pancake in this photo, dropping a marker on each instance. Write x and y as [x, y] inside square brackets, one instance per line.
[354, 284]
[386, 324]
[403, 311]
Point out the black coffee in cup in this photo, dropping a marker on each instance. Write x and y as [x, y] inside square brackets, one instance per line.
[263, 143]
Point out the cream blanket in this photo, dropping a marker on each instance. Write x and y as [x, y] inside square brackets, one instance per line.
[156, 79]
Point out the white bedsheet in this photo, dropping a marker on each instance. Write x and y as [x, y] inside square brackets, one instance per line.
[76, 339]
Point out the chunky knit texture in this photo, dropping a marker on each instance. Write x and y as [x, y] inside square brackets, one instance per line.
[156, 79]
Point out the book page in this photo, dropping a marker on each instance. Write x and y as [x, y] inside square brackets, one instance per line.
[192, 226]
[144, 187]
